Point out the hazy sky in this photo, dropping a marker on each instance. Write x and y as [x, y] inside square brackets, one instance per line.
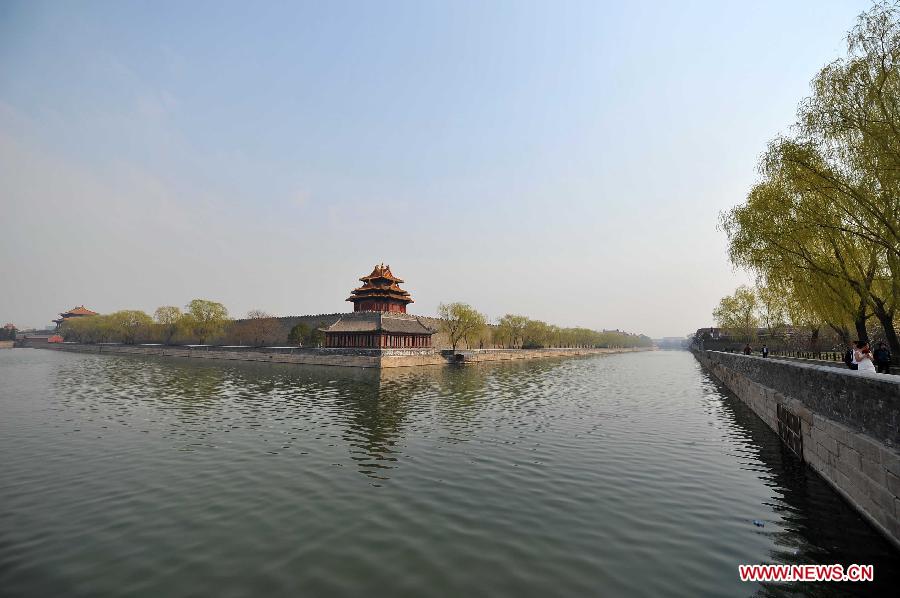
[562, 160]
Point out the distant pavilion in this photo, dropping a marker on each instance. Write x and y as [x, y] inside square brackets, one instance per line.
[379, 319]
[75, 312]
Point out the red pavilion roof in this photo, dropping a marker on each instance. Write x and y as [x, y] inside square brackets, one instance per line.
[79, 311]
[383, 272]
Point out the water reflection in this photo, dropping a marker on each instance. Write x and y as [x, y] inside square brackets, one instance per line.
[196, 403]
[376, 414]
[624, 475]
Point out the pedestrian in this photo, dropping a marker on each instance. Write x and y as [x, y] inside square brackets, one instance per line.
[748, 350]
[850, 356]
[863, 357]
[764, 351]
[882, 359]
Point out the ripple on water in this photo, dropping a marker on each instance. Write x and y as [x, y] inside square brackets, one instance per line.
[622, 475]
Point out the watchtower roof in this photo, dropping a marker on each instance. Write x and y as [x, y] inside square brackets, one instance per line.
[381, 284]
[79, 311]
[381, 271]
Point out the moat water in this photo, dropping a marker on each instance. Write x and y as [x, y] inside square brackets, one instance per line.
[623, 475]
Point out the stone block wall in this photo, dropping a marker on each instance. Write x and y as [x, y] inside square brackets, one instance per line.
[849, 424]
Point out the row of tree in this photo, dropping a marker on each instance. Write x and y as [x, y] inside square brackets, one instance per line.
[752, 312]
[464, 324]
[200, 321]
[203, 321]
[8, 333]
[821, 228]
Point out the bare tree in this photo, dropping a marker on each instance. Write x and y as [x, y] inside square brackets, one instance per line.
[260, 327]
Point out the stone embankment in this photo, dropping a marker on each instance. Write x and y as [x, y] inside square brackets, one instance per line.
[362, 358]
[6, 344]
[844, 424]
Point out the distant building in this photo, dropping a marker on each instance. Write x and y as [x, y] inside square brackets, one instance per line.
[672, 343]
[75, 312]
[8, 332]
[379, 320]
[711, 334]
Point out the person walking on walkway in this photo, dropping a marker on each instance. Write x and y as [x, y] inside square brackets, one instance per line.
[764, 351]
[748, 350]
[882, 359]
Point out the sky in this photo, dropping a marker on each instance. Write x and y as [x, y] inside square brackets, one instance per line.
[567, 161]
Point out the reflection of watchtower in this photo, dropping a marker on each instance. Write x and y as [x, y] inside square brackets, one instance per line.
[380, 292]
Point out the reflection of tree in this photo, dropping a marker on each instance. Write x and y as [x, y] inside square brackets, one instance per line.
[176, 397]
[492, 381]
[461, 393]
[182, 384]
[820, 527]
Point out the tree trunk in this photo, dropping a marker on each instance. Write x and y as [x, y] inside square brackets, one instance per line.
[887, 322]
[890, 335]
[859, 322]
[861, 334]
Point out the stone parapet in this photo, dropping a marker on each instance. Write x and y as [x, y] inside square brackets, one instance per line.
[848, 423]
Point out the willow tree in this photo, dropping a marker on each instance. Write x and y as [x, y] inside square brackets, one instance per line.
[737, 313]
[780, 232]
[510, 330]
[167, 318]
[827, 208]
[773, 307]
[853, 121]
[536, 334]
[809, 305]
[205, 319]
[461, 322]
[129, 325]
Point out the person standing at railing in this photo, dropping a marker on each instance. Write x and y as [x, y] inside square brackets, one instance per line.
[850, 357]
[882, 359]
